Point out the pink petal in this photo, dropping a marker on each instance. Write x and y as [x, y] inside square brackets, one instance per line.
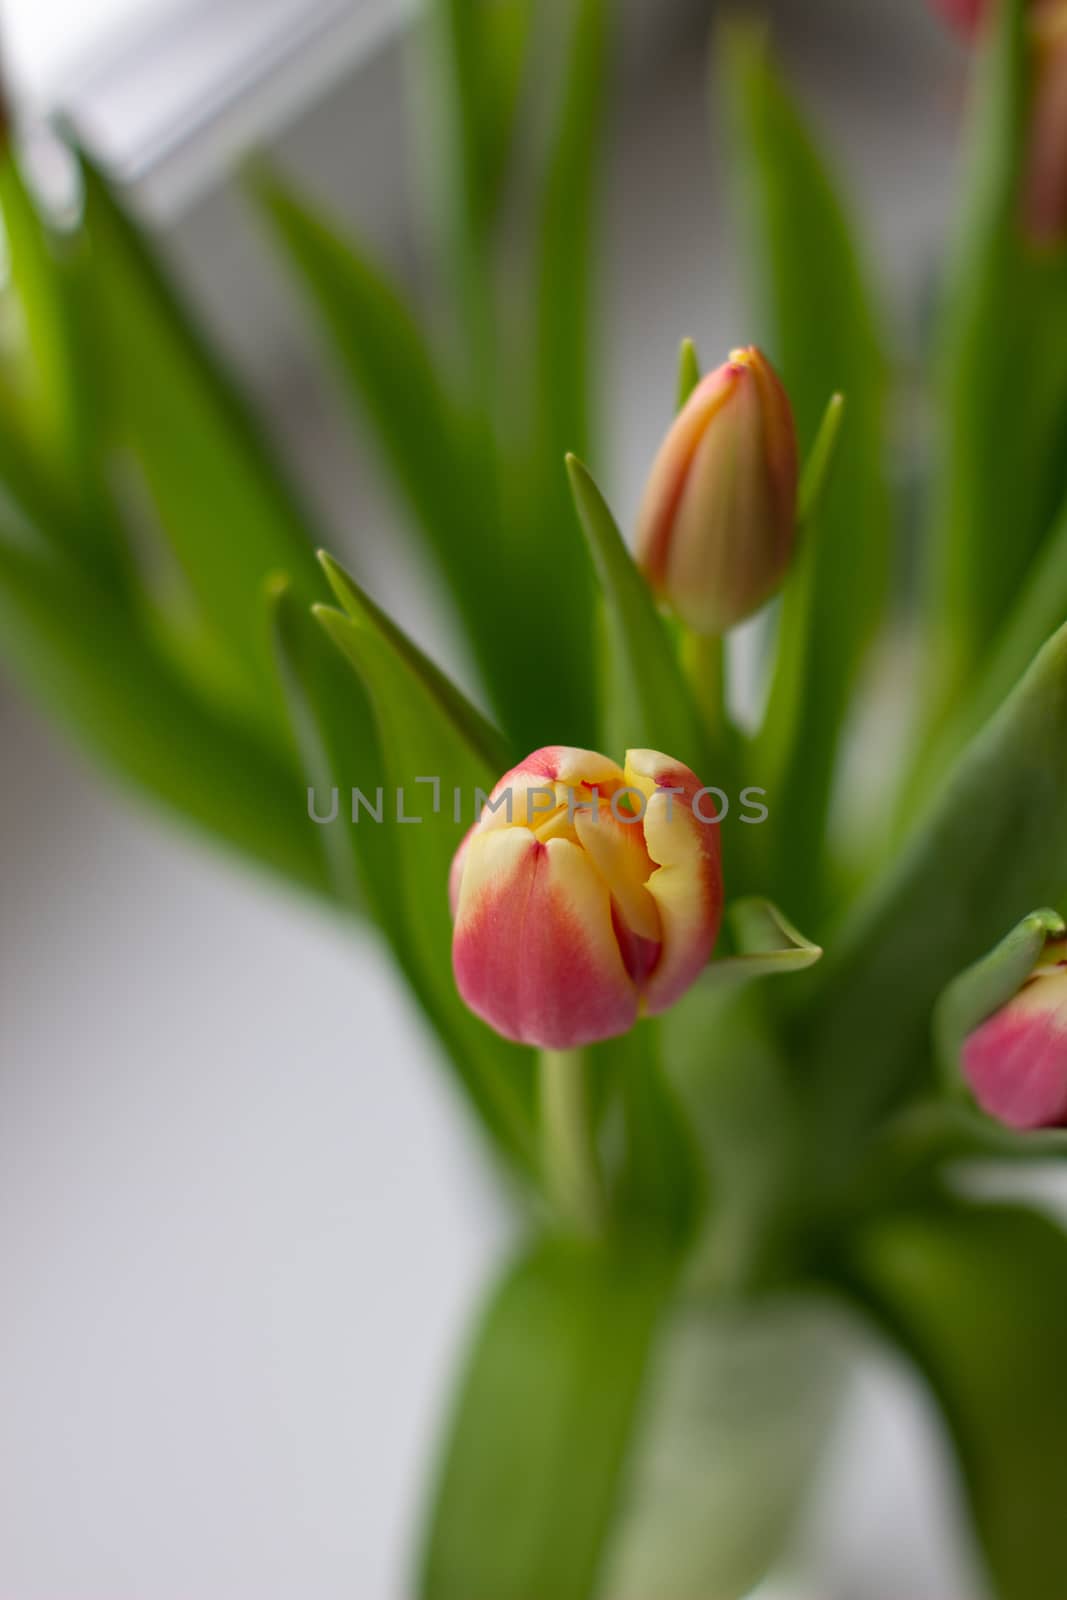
[1016, 1062]
[535, 953]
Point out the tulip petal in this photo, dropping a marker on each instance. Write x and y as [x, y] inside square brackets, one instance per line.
[617, 850]
[670, 471]
[718, 522]
[735, 520]
[687, 885]
[1016, 1062]
[561, 768]
[535, 953]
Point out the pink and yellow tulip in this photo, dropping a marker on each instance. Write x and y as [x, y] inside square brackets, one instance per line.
[585, 896]
[718, 523]
[1016, 1061]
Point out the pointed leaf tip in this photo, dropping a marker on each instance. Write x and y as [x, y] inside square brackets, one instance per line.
[688, 371]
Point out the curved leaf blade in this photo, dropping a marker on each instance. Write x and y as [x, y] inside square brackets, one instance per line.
[762, 943]
[531, 1472]
[822, 330]
[1005, 314]
[978, 1297]
[740, 1401]
[103, 674]
[990, 845]
[336, 736]
[651, 703]
[432, 779]
[227, 511]
[488, 742]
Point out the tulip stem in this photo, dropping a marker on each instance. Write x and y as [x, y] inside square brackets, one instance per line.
[570, 1164]
[704, 663]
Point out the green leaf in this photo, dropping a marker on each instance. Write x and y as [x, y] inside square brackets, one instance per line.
[432, 772]
[762, 943]
[335, 733]
[688, 371]
[548, 564]
[991, 845]
[30, 484]
[531, 1473]
[725, 1061]
[1005, 336]
[931, 1134]
[102, 673]
[480, 49]
[740, 1402]
[500, 593]
[650, 699]
[40, 355]
[467, 105]
[1039, 610]
[821, 330]
[50, 458]
[660, 1189]
[819, 465]
[392, 371]
[551, 560]
[568, 205]
[224, 506]
[989, 984]
[479, 733]
[978, 1296]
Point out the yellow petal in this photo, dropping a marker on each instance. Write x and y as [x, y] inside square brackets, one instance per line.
[618, 852]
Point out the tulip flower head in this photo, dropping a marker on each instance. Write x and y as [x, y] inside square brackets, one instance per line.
[718, 523]
[585, 896]
[1016, 1061]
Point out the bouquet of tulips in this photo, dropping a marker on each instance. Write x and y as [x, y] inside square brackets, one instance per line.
[742, 1034]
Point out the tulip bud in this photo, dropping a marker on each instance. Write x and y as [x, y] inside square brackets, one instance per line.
[1045, 193]
[963, 14]
[718, 523]
[1044, 199]
[585, 896]
[1016, 1061]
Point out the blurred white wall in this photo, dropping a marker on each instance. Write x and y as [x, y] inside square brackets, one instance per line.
[242, 1219]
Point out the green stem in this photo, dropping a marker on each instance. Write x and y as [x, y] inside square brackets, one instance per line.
[704, 664]
[570, 1166]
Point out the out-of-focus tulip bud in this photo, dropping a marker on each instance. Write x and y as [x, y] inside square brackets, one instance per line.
[1016, 1061]
[1045, 195]
[585, 896]
[717, 527]
[1044, 200]
[963, 14]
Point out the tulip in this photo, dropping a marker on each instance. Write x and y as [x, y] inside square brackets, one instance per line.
[585, 896]
[1016, 1061]
[1044, 198]
[963, 14]
[1045, 192]
[718, 524]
